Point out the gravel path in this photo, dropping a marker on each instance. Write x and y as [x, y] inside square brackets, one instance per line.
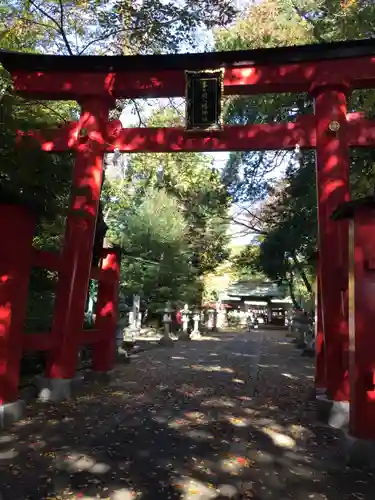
[223, 417]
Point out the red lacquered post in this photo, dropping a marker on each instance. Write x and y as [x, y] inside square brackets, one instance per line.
[17, 225]
[320, 363]
[361, 317]
[107, 311]
[332, 165]
[79, 236]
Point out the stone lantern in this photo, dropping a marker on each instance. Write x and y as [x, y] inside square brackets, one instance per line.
[195, 334]
[167, 321]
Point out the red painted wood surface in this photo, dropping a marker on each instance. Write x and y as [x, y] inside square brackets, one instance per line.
[320, 358]
[360, 73]
[107, 312]
[41, 341]
[52, 261]
[75, 264]
[332, 167]
[362, 359]
[17, 225]
[359, 132]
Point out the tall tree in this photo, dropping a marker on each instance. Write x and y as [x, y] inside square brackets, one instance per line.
[284, 212]
[119, 27]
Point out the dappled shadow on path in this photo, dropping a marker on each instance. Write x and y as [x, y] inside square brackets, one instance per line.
[225, 417]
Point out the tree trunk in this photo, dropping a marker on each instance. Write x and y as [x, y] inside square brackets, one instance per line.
[302, 273]
[291, 291]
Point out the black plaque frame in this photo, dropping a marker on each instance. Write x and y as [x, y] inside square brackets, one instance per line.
[204, 92]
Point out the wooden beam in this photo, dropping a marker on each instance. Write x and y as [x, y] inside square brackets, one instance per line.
[246, 80]
[36, 342]
[51, 261]
[271, 136]
[89, 337]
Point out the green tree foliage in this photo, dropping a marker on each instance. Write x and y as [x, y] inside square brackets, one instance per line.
[191, 189]
[121, 27]
[283, 211]
[156, 252]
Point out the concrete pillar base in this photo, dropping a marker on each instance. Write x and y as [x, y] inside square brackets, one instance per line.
[333, 413]
[58, 389]
[11, 413]
[195, 335]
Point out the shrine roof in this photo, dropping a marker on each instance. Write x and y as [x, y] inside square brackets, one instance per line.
[262, 57]
[255, 289]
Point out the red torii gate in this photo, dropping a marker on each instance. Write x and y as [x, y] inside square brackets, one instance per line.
[328, 72]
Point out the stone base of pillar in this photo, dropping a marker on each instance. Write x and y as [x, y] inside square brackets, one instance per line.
[195, 335]
[11, 413]
[333, 413]
[58, 389]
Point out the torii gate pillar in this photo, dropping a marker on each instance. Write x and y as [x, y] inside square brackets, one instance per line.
[76, 255]
[332, 170]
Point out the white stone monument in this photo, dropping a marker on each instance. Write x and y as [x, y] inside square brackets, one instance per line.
[136, 310]
[185, 319]
[210, 320]
[167, 320]
[195, 334]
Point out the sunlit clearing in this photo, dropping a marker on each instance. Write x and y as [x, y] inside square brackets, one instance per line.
[204, 466]
[238, 381]
[199, 435]
[197, 417]
[234, 465]
[24, 422]
[179, 422]
[52, 422]
[125, 494]
[219, 403]
[237, 421]
[192, 489]
[9, 454]
[178, 357]
[297, 431]
[281, 440]
[249, 411]
[288, 375]
[212, 368]
[75, 462]
[6, 439]
[244, 355]
[215, 339]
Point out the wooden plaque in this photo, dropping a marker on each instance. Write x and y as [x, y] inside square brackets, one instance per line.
[204, 93]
